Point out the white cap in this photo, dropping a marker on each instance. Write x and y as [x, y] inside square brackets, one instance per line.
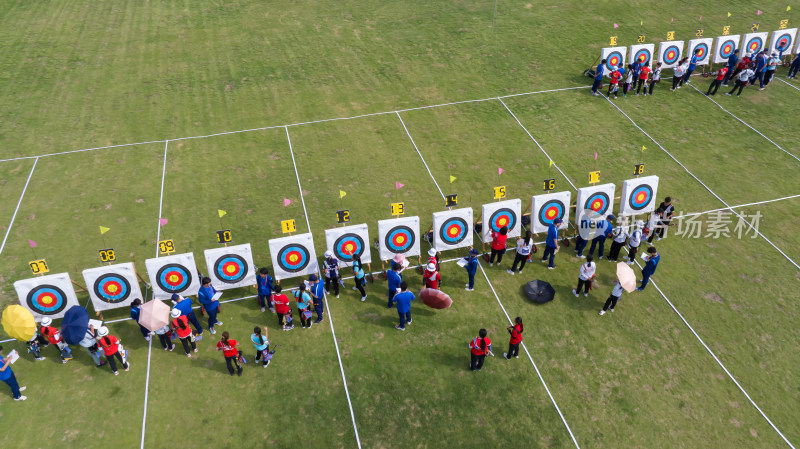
[103, 331]
[175, 313]
[639, 224]
[328, 254]
[431, 267]
[432, 252]
[46, 321]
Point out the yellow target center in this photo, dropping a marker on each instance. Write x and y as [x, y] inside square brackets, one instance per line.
[293, 258]
[173, 278]
[640, 197]
[550, 214]
[230, 269]
[349, 248]
[48, 300]
[502, 222]
[401, 239]
[596, 205]
[112, 288]
[453, 231]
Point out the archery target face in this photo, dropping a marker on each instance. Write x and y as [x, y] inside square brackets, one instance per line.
[547, 207]
[638, 196]
[47, 296]
[642, 53]
[499, 214]
[230, 267]
[452, 229]
[349, 240]
[595, 201]
[669, 53]
[112, 286]
[725, 46]
[704, 45]
[614, 56]
[293, 256]
[782, 40]
[754, 42]
[173, 274]
[398, 236]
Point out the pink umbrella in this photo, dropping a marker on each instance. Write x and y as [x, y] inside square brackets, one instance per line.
[154, 315]
[626, 277]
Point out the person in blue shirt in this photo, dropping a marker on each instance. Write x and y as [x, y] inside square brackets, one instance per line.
[650, 267]
[551, 243]
[304, 303]
[635, 68]
[393, 276]
[317, 291]
[580, 242]
[264, 282]
[794, 67]
[7, 376]
[733, 59]
[472, 268]
[358, 274]
[210, 305]
[761, 70]
[185, 306]
[330, 268]
[692, 65]
[598, 76]
[403, 300]
[603, 230]
[135, 311]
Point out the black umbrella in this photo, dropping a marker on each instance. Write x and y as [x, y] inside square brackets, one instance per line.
[539, 291]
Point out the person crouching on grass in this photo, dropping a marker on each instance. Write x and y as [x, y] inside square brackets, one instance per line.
[229, 349]
[478, 347]
[516, 339]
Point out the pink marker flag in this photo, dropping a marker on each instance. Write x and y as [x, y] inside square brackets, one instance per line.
[616, 26]
[398, 185]
[759, 12]
[162, 221]
[671, 20]
[286, 202]
[595, 156]
[32, 243]
[701, 18]
[500, 171]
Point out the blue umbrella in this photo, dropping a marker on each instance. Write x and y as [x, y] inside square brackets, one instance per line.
[74, 325]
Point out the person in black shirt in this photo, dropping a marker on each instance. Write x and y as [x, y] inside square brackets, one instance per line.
[667, 210]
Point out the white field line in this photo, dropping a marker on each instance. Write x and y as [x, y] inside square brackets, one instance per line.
[745, 123]
[325, 296]
[420, 155]
[552, 399]
[11, 223]
[693, 214]
[787, 83]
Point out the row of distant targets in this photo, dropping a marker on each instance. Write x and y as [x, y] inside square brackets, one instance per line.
[671, 52]
[114, 286]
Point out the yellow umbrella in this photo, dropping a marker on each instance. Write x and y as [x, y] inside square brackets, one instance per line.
[18, 322]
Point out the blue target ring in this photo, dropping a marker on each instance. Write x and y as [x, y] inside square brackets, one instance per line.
[550, 211]
[703, 47]
[346, 245]
[293, 257]
[112, 288]
[640, 197]
[613, 60]
[230, 268]
[755, 44]
[598, 202]
[503, 217]
[727, 48]
[784, 42]
[173, 278]
[671, 54]
[399, 239]
[46, 299]
[454, 230]
[643, 56]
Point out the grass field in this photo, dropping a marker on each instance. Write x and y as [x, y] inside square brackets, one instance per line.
[659, 372]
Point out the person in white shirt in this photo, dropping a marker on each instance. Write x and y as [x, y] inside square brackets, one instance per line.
[611, 302]
[524, 246]
[678, 72]
[741, 81]
[585, 277]
[620, 236]
[634, 240]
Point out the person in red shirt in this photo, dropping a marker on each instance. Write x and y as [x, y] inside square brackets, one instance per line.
[228, 347]
[282, 309]
[53, 336]
[717, 81]
[433, 258]
[516, 339]
[111, 348]
[180, 324]
[743, 63]
[478, 347]
[432, 277]
[613, 86]
[644, 72]
[498, 245]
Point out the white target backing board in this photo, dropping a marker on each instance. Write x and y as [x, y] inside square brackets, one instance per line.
[598, 199]
[293, 256]
[398, 236]
[112, 286]
[783, 41]
[638, 196]
[173, 274]
[47, 296]
[614, 56]
[547, 207]
[349, 240]
[670, 53]
[502, 213]
[704, 45]
[644, 53]
[754, 43]
[724, 47]
[797, 47]
[231, 267]
[452, 229]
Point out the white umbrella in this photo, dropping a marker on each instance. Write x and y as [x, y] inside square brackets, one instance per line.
[154, 315]
[626, 277]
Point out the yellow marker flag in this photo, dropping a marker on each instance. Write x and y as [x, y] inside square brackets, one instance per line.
[641, 22]
[788, 8]
[552, 163]
[342, 194]
[452, 178]
[643, 148]
[221, 213]
[729, 14]
[104, 229]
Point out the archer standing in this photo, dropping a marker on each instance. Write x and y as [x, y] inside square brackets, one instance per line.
[433, 257]
[551, 244]
[656, 78]
[620, 236]
[733, 60]
[304, 302]
[498, 245]
[264, 281]
[585, 277]
[282, 309]
[598, 76]
[634, 240]
[317, 291]
[210, 303]
[394, 280]
[721, 75]
[431, 278]
[516, 339]
[360, 279]
[111, 348]
[185, 306]
[403, 300]
[524, 246]
[603, 231]
[650, 267]
[331, 269]
[261, 343]
[180, 324]
[229, 349]
[692, 65]
[472, 268]
[644, 72]
[7, 376]
[478, 347]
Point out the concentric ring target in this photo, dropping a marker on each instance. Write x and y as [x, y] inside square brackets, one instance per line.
[640, 197]
[503, 217]
[755, 44]
[550, 211]
[643, 56]
[399, 239]
[598, 202]
[613, 60]
[46, 299]
[173, 277]
[671, 54]
[230, 268]
[112, 288]
[293, 257]
[346, 245]
[727, 48]
[453, 230]
[784, 42]
[703, 47]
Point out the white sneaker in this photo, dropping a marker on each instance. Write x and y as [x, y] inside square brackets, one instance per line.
[582, 256]
[551, 268]
[629, 262]
[505, 356]
[510, 272]
[337, 296]
[602, 312]
[585, 294]
[363, 298]
[409, 321]
[40, 358]
[466, 285]
[21, 398]
[23, 388]
[147, 338]
[611, 310]
[491, 263]
[263, 309]
[574, 293]
[355, 289]
[469, 289]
